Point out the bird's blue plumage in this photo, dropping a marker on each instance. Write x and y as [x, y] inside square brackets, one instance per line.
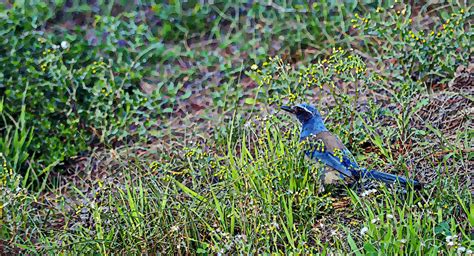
[323, 146]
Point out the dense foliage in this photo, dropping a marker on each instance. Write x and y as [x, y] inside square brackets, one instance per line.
[154, 127]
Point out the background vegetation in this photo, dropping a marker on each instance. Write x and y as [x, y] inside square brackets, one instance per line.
[142, 127]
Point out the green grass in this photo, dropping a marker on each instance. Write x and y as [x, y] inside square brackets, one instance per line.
[158, 130]
[259, 197]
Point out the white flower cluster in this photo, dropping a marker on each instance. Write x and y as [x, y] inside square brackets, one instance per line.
[452, 241]
[368, 192]
[64, 45]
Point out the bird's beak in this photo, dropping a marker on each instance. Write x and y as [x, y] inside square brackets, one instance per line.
[288, 109]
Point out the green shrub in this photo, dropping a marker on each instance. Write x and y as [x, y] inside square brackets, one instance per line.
[80, 87]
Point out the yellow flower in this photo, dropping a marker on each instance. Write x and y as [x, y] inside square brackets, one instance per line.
[292, 97]
[254, 67]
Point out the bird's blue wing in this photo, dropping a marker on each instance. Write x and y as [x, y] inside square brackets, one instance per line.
[328, 149]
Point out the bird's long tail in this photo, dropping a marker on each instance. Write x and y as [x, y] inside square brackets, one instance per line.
[390, 178]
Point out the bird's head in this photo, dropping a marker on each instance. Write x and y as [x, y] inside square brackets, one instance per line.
[304, 112]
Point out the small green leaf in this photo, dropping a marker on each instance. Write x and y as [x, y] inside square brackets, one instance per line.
[186, 95]
[189, 191]
[250, 101]
[353, 245]
[167, 110]
[370, 249]
[442, 227]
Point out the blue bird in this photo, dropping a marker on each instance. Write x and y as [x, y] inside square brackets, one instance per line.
[327, 148]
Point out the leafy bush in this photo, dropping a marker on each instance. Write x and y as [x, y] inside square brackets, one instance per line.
[79, 87]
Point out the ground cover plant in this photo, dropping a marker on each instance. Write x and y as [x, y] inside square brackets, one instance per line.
[155, 127]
